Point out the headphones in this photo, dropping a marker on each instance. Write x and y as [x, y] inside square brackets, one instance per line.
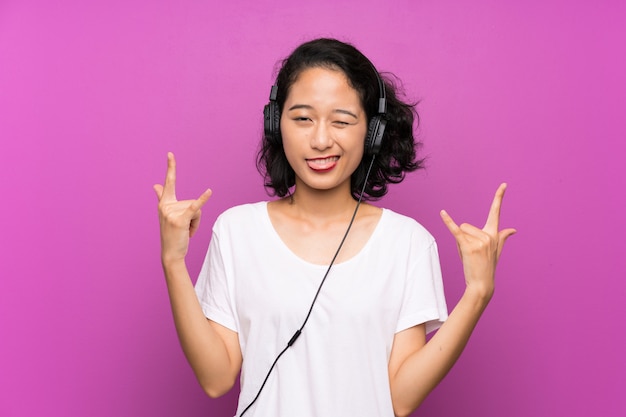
[375, 129]
[373, 140]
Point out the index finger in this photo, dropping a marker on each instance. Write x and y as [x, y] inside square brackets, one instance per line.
[493, 219]
[169, 188]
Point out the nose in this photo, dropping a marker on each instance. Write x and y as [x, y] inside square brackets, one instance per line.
[321, 137]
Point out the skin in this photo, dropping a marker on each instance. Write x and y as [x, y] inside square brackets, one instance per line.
[211, 349]
[323, 128]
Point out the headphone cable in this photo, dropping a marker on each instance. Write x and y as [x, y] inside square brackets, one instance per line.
[319, 288]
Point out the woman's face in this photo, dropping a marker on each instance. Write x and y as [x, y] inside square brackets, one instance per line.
[323, 127]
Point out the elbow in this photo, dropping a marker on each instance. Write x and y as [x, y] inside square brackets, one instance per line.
[404, 409]
[398, 412]
[214, 393]
[217, 389]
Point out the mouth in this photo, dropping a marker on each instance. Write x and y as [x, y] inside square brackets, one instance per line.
[322, 164]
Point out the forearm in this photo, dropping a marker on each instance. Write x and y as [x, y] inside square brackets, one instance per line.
[204, 348]
[420, 373]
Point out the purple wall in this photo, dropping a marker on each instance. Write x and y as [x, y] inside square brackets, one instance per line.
[93, 95]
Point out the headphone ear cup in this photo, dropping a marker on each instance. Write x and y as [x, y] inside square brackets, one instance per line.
[375, 132]
[271, 122]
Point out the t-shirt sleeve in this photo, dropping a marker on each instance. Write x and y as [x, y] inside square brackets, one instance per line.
[213, 288]
[423, 299]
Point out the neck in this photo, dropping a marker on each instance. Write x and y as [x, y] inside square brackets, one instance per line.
[326, 204]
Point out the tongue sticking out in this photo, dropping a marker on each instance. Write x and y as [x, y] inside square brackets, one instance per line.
[322, 164]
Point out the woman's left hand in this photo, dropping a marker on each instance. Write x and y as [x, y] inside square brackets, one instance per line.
[480, 249]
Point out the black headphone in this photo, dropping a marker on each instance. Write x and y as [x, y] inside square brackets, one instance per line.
[373, 140]
[375, 129]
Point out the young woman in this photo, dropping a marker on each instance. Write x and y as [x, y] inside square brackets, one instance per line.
[322, 302]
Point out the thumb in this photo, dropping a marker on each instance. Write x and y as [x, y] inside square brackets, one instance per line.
[450, 224]
[503, 235]
[158, 189]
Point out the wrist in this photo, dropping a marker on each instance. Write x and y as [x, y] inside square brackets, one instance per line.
[479, 294]
[173, 265]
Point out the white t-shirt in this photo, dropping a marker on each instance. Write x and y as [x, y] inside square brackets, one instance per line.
[253, 284]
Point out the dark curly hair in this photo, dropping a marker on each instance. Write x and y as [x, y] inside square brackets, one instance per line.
[397, 154]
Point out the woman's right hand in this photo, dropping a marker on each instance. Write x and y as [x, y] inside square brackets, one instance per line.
[179, 220]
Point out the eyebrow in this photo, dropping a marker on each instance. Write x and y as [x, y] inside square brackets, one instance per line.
[306, 106]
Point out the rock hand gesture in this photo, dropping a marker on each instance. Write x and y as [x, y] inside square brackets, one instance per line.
[480, 249]
[178, 220]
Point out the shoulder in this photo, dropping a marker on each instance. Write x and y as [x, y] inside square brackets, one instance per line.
[241, 215]
[243, 210]
[401, 233]
[404, 225]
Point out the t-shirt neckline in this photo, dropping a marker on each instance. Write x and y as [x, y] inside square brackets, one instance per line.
[268, 224]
